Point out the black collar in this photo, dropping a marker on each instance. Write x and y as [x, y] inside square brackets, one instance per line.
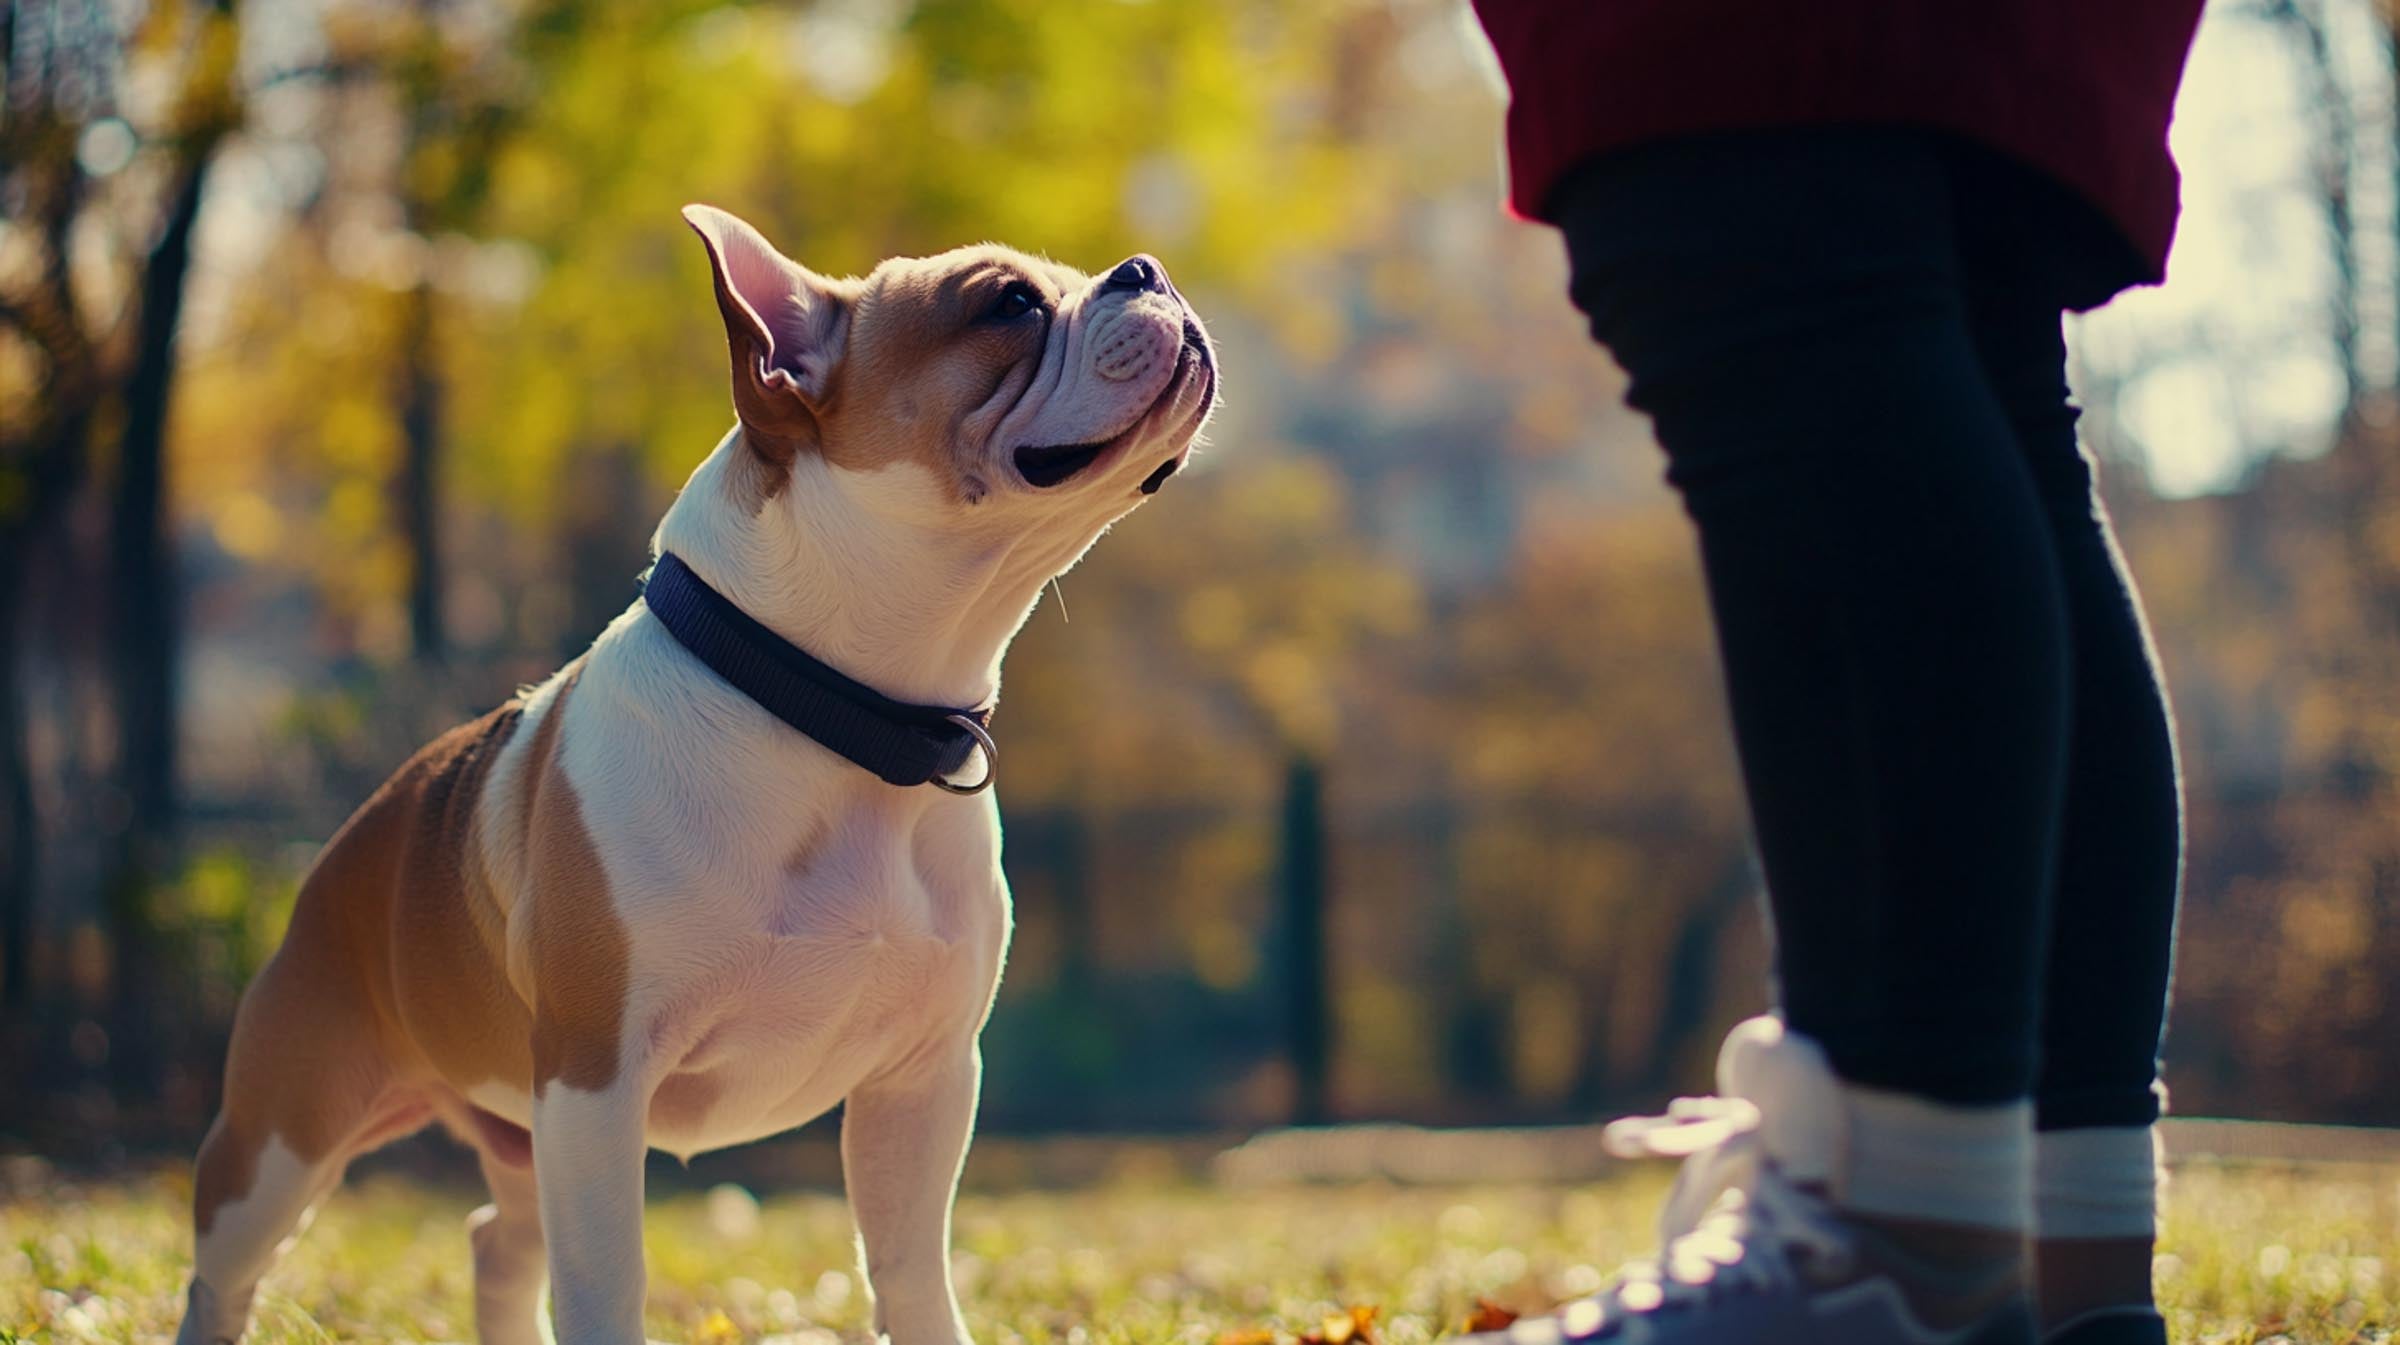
[901, 743]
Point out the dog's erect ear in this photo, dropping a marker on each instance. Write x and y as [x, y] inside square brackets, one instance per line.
[784, 328]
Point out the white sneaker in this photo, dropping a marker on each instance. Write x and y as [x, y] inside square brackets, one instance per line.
[1752, 1255]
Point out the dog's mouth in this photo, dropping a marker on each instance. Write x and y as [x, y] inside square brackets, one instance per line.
[1043, 468]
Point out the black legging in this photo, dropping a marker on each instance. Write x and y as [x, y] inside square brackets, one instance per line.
[1957, 749]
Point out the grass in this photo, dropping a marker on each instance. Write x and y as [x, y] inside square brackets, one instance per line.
[2250, 1255]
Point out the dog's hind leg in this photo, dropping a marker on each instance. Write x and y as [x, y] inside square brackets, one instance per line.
[255, 1187]
[510, 1262]
[306, 1089]
[903, 1143]
[254, 1192]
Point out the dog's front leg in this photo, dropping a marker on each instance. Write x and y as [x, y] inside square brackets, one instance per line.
[903, 1141]
[587, 1165]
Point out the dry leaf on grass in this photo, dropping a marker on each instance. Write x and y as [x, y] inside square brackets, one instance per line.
[1488, 1316]
[1355, 1327]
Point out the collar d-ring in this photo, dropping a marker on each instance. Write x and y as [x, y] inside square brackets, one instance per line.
[991, 759]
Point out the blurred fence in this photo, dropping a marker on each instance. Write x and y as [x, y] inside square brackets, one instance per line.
[1344, 977]
[1176, 968]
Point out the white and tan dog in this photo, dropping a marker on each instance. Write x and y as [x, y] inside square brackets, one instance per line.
[631, 909]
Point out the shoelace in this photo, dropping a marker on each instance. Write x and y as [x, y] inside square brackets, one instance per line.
[1731, 1219]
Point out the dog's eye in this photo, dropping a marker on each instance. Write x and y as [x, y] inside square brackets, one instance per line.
[1016, 301]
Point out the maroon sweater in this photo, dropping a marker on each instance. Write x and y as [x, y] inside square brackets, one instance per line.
[2081, 89]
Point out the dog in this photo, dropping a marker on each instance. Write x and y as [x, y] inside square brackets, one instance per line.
[693, 890]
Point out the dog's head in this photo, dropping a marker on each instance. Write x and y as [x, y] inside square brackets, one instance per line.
[981, 383]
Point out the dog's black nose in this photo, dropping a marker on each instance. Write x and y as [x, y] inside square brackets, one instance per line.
[1140, 272]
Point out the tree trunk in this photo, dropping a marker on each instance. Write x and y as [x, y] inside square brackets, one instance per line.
[1078, 923]
[146, 617]
[606, 517]
[143, 629]
[1476, 1065]
[1693, 964]
[2336, 158]
[54, 459]
[20, 835]
[419, 485]
[1307, 971]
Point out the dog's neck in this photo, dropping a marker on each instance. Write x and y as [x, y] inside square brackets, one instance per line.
[919, 614]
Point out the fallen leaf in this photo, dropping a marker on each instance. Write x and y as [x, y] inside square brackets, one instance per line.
[1355, 1327]
[1487, 1316]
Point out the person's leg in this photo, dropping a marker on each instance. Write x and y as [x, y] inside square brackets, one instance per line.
[1887, 599]
[2120, 847]
[1788, 306]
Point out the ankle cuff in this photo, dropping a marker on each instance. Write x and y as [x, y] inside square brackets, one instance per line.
[1906, 1157]
[2096, 1183]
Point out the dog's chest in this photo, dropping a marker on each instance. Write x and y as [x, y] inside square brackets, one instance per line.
[841, 971]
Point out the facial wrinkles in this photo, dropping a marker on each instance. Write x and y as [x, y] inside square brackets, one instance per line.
[1057, 370]
[979, 425]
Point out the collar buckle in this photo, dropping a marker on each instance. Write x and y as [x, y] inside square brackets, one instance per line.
[991, 759]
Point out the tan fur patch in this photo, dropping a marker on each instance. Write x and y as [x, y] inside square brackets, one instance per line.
[227, 1169]
[922, 362]
[582, 957]
[386, 975]
[393, 974]
[448, 940]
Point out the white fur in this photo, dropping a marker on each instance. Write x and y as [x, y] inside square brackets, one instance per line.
[246, 1236]
[587, 1166]
[865, 969]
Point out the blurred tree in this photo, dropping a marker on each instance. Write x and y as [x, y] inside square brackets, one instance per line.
[144, 584]
[1589, 715]
[57, 69]
[2336, 144]
[464, 84]
[112, 197]
[1307, 968]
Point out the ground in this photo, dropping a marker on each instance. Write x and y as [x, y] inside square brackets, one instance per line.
[2250, 1255]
